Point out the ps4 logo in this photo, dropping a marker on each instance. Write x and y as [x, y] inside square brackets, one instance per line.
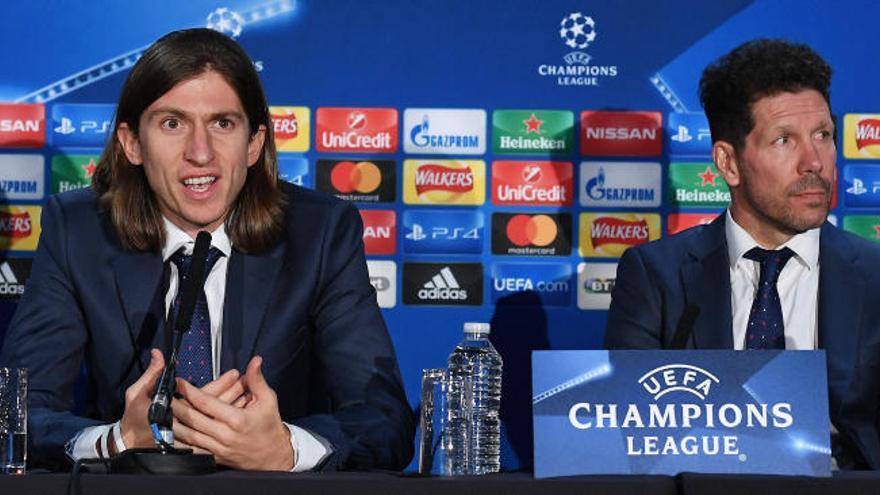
[684, 135]
[858, 188]
[85, 126]
[418, 233]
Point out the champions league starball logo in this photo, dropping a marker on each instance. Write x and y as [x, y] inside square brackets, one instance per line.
[577, 32]
[228, 22]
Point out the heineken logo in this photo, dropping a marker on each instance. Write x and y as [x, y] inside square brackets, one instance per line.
[72, 172]
[696, 184]
[533, 131]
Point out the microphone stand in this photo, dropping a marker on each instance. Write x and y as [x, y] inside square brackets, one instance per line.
[165, 458]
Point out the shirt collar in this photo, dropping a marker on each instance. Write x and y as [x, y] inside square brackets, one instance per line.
[805, 245]
[175, 238]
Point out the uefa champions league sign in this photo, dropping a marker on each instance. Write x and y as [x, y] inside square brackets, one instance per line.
[666, 412]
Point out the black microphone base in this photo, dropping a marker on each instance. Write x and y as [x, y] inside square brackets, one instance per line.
[156, 461]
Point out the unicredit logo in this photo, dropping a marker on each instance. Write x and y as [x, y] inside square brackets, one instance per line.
[356, 129]
[532, 183]
[867, 133]
[15, 225]
[442, 287]
[435, 177]
[608, 230]
[348, 177]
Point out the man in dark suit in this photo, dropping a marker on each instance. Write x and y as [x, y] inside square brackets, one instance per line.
[288, 365]
[770, 272]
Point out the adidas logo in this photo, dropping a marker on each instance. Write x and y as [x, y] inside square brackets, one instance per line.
[442, 287]
[9, 282]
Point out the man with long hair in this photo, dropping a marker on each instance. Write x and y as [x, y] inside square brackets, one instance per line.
[288, 364]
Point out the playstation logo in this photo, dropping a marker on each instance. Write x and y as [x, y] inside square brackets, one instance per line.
[858, 187]
[66, 127]
[682, 136]
[417, 234]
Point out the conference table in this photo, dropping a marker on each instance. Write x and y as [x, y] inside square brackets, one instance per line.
[384, 483]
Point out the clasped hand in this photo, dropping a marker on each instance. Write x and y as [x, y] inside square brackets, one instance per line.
[234, 417]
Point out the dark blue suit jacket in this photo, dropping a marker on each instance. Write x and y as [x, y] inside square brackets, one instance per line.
[306, 306]
[680, 286]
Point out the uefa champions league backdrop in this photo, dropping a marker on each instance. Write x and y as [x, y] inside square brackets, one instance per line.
[504, 154]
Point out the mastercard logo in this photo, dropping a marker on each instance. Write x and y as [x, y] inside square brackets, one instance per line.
[531, 230]
[348, 177]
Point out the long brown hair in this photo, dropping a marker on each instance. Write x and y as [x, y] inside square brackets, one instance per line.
[255, 221]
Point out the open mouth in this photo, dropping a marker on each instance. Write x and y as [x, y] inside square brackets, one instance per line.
[199, 184]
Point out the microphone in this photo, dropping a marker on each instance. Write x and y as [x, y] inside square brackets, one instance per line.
[685, 327]
[160, 416]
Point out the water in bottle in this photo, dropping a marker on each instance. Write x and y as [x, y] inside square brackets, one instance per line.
[477, 358]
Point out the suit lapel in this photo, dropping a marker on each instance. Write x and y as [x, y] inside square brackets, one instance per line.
[138, 278]
[706, 280]
[250, 283]
[841, 294]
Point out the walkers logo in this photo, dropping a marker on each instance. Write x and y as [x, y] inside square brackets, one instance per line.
[677, 222]
[862, 185]
[608, 235]
[533, 132]
[292, 128]
[81, 124]
[22, 125]
[380, 231]
[364, 130]
[595, 283]
[366, 182]
[547, 284]
[621, 133]
[459, 284]
[441, 232]
[531, 235]
[867, 226]
[577, 32]
[696, 184]
[444, 131]
[14, 273]
[19, 227]
[626, 184]
[450, 182]
[21, 177]
[294, 169]
[532, 183]
[71, 172]
[689, 134]
[383, 277]
[861, 136]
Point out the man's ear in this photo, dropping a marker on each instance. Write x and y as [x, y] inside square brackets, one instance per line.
[255, 145]
[725, 158]
[131, 146]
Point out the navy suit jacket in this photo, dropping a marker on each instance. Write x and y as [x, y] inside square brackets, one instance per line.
[306, 306]
[675, 293]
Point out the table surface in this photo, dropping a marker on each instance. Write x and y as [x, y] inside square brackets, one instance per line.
[856, 483]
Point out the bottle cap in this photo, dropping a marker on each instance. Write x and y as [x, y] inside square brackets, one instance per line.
[478, 328]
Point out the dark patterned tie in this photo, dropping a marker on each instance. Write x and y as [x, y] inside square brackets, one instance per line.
[194, 359]
[766, 329]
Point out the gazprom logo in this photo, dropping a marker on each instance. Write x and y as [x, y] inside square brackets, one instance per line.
[624, 184]
[678, 378]
[444, 131]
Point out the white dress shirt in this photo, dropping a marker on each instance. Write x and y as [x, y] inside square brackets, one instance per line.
[798, 286]
[309, 448]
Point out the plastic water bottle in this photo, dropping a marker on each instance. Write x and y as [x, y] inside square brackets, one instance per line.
[476, 357]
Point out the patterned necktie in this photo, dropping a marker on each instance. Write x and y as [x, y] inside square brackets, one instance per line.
[194, 358]
[766, 329]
